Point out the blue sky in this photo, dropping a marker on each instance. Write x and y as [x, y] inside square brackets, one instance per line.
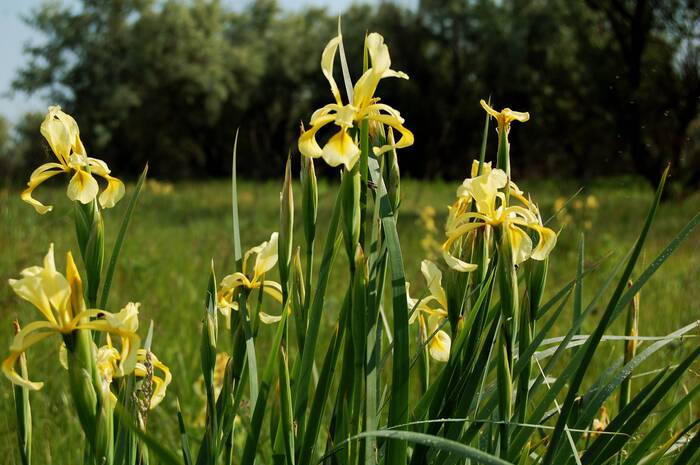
[14, 34]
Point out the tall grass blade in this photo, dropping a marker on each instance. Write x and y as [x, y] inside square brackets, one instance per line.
[428, 440]
[592, 343]
[237, 252]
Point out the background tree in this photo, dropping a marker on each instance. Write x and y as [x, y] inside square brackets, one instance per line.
[612, 86]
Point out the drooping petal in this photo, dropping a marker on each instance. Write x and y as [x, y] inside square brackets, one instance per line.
[547, 241]
[273, 289]
[341, 150]
[41, 174]
[406, 139]
[269, 319]
[439, 346]
[82, 187]
[520, 242]
[307, 141]
[113, 193]
[457, 264]
[23, 340]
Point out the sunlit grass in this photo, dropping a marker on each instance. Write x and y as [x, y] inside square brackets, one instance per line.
[175, 234]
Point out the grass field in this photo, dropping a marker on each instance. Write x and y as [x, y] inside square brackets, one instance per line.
[174, 236]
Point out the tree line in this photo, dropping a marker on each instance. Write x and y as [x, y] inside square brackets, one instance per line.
[612, 86]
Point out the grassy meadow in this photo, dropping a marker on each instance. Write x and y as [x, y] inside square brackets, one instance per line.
[178, 230]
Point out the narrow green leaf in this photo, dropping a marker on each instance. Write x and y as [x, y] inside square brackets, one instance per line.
[237, 252]
[119, 241]
[184, 441]
[660, 428]
[606, 319]
[398, 406]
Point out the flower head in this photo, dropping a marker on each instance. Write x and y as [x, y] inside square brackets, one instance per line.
[499, 203]
[59, 299]
[252, 277]
[341, 148]
[61, 132]
[505, 116]
[432, 308]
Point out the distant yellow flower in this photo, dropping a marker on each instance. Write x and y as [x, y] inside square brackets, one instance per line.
[231, 285]
[434, 306]
[341, 148]
[60, 301]
[591, 202]
[505, 116]
[62, 133]
[499, 203]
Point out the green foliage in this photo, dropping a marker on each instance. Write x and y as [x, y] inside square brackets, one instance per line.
[166, 81]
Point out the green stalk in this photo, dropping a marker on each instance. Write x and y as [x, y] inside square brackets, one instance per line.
[630, 347]
[23, 410]
[89, 228]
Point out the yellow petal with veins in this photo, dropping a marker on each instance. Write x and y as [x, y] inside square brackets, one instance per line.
[307, 141]
[82, 187]
[341, 150]
[113, 193]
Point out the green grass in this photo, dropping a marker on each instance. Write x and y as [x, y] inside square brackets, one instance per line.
[173, 237]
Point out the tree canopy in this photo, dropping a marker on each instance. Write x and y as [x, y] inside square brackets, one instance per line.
[612, 86]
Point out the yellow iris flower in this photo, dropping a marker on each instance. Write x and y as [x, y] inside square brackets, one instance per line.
[505, 116]
[62, 133]
[341, 148]
[499, 203]
[434, 306]
[229, 288]
[109, 367]
[60, 300]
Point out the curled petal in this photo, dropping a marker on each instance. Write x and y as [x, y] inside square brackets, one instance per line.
[273, 289]
[341, 150]
[520, 243]
[26, 338]
[269, 319]
[548, 239]
[395, 123]
[82, 187]
[457, 264]
[307, 141]
[41, 174]
[113, 193]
